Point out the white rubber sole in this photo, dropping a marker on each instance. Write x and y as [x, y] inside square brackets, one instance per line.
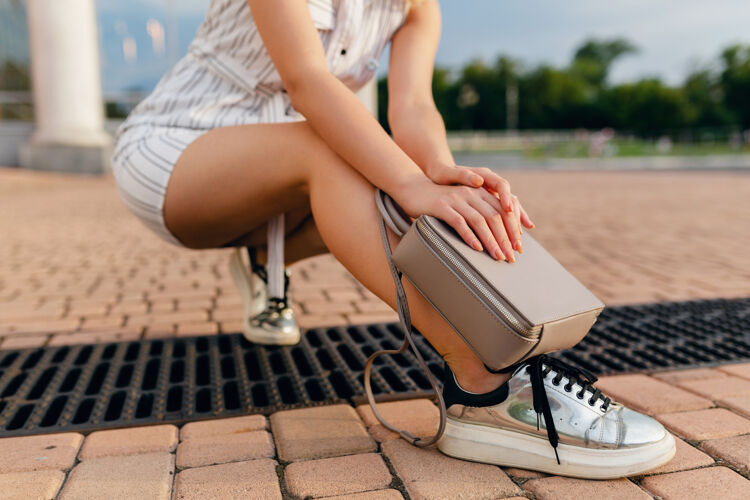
[480, 443]
[260, 336]
[252, 306]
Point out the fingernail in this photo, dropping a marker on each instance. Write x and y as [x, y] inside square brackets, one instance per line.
[499, 255]
[511, 258]
[477, 180]
[477, 246]
[517, 245]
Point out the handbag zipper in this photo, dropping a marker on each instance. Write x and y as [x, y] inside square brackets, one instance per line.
[505, 311]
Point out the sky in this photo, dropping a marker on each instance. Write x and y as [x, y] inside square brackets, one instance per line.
[673, 36]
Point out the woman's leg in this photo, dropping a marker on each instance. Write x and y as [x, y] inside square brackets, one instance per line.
[244, 175]
[302, 238]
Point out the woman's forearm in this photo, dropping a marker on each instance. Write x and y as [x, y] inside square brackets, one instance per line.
[419, 131]
[353, 132]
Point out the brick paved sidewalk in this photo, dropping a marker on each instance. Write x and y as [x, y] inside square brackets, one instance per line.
[76, 267]
[347, 454]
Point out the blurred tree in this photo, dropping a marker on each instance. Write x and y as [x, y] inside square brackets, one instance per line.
[550, 98]
[481, 97]
[594, 58]
[579, 96]
[648, 107]
[383, 103]
[14, 76]
[735, 82]
[704, 93]
[446, 97]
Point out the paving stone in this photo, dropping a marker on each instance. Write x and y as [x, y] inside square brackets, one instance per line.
[23, 341]
[675, 376]
[327, 307]
[31, 453]
[160, 331]
[523, 473]
[223, 315]
[193, 329]
[315, 320]
[44, 326]
[716, 388]
[221, 448]
[739, 370]
[705, 424]
[170, 317]
[254, 479]
[428, 474]
[565, 488]
[740, 404]
[105, 323]
[686, 457]
[735, 450]
[42, 484]
[321, 432]
[113, 478]
[373, 317]
[712, 483]
[132, 441]
[345, 295]
[650, 396]
[373, 306]
[389, 494]
[117, 335]
[234, 326]
[337, 476]
[418, 416]
[222, 426]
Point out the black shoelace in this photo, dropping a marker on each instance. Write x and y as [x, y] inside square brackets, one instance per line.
[274, 303]
[538, 368]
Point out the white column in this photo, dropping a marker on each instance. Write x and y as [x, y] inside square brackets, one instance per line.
[68, 106]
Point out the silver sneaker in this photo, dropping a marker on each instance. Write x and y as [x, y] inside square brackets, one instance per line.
[266, 320]
[551, 418]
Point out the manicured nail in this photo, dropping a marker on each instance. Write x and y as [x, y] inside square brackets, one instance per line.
[511, 258]
[477, 246]
[517, 245]
[477, 180]
[499, 255]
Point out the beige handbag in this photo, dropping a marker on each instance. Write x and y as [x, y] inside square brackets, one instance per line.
[506, 313]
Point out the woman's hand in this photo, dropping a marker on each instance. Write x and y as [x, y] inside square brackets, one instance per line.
[477, 214]
[480, 177]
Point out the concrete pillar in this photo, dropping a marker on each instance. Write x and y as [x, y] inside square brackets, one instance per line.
[68, 109]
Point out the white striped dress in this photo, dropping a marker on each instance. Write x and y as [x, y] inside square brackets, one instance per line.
[227, 78]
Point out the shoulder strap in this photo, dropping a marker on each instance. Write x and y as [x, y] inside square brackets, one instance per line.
[392, 215]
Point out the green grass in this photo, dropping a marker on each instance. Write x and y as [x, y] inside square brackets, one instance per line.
[629, 148]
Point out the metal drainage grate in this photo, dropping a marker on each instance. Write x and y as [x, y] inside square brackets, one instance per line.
[667, 335]
[176, 380]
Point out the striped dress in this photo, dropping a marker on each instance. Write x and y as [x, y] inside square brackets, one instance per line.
[227, 78]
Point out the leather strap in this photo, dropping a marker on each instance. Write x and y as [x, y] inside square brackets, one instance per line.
[392, 215]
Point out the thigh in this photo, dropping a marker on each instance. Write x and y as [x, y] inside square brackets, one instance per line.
[231, 180]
